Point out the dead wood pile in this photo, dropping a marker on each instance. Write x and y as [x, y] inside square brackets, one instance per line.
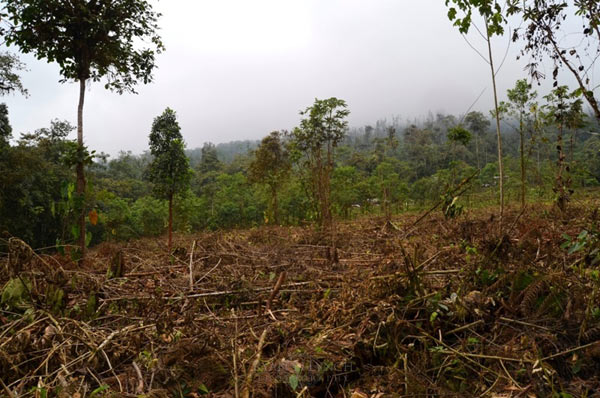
[450, 309]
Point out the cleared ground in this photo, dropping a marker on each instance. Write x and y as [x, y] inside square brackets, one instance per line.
[440, 308]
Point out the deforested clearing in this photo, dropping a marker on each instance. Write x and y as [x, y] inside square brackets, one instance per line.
[438, 308]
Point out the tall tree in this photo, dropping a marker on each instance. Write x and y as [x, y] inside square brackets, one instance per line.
[209, 160]
[478, 124]
[520, 99]
[388, 182]
[34, 183]
[491, 12]
[5, 127]
[271, 166]
[90, 40]
[170, 170]
[10, 80]
[321, 130]
[544, 36]
[564, 109]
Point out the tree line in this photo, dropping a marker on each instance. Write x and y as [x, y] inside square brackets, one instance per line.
[321, 171]
[318, 172]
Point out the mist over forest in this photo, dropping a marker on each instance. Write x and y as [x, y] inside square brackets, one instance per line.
[257, 239]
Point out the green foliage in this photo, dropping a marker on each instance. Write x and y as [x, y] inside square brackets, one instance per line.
[321, 130]
[15, 294]
[296, 206]
[490, 10]
[477, 122]
[99, 391]
[88, 40]
[324, 124]
[123, 219]
[150, 216]
[33, 186]
[564, 108]
[390, 189]
[451, 207]
[344, 189]
[209, 160]
[189, 212]
[521, 98]
[169, 170]
[383, 169]
[586, 243]
[271, 166]
[10, 80]
[489, 174]
[460, 135]
[236, 205]
[116, 218]
[55, 299]
[5, 127]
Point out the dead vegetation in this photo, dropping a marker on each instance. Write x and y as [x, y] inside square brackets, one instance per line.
[450, 309]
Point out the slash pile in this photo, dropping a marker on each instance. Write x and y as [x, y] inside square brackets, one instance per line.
[440, 308]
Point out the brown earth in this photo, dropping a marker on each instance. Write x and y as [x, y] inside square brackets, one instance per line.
[443, 308]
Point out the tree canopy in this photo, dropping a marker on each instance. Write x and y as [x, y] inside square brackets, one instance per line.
[169, 170]
[271, 166]
[10, 80]
[88, 39]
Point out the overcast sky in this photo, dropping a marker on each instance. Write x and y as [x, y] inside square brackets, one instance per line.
[238, 69]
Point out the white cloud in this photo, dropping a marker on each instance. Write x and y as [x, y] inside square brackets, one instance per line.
[238, 69]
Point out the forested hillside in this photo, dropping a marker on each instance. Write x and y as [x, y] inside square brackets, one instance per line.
[391, 166]
[442, 255]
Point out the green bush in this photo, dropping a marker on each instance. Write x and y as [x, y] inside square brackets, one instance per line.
[150, 216]
[115, 218]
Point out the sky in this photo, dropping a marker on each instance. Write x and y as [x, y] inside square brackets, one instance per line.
[239, 69]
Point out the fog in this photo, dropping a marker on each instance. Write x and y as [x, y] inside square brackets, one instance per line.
[237, 70]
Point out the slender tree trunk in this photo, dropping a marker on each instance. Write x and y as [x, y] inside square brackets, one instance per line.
[327, 187]
[386, 204]
[477, 149]
[539, 167]
[500, 165]
[561, 189]
[275, 205]
[170, 242]
[522, 149]
[485, 156]
[571, 146]
[320, 189]
[79, 168]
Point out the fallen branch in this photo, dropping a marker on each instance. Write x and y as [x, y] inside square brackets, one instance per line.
[209, 271]
[226, 292]
[139, 389]
[252, 372]
[465, 327]
[191, 266]
[404, 274]
[524, 323]
[7, 390]
[560, 354]
[278, 284]
[439, 202]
